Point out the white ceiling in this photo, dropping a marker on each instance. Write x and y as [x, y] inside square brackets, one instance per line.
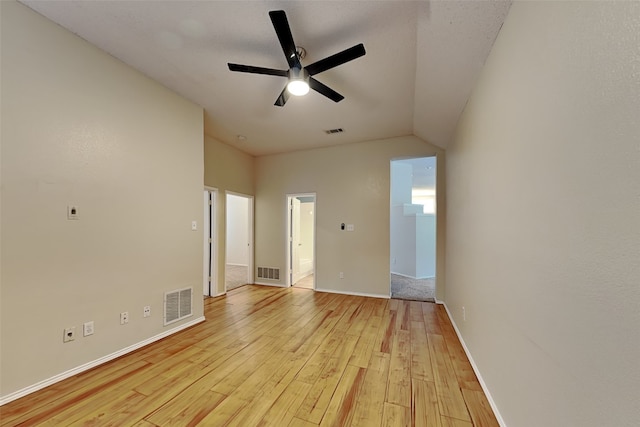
[422, 60]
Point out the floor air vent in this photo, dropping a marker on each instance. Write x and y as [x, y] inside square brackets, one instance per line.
[268, 273]
[178, 305]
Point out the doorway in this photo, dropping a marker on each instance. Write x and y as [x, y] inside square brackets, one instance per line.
[210, 261]
[301, 231]
[239, 238]
[413, 229]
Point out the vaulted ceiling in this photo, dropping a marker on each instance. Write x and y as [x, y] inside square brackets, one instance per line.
[422, 60]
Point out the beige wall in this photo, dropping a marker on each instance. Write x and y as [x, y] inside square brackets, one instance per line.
[543, 224]
[79, 127]
[352, 185]
[226, 169]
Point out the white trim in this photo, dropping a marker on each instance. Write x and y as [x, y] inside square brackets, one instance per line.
[357, 294]
[211, 227]
[496, 412]
[206, 225]
[82, 368]
[237, 265]
[279, 285]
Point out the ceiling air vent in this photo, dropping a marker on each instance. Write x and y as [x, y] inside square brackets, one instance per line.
[332, 131]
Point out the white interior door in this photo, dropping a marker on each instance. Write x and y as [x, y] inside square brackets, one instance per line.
[295, 240]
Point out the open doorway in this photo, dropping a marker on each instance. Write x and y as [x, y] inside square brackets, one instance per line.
[239, 237]
[301, 230]
[210, 261]
[413, 229]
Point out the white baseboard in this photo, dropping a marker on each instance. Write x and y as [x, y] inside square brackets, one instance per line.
[475, 369]
[280, 285]
[357, 294]
[75, 371]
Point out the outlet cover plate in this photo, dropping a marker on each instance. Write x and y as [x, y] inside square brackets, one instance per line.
[69, 334]
[72, 212]
[87, 329]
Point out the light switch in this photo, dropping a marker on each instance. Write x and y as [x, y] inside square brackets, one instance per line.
[194, 225]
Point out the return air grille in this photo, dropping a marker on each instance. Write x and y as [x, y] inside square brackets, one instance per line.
[178, 305]
[268, 273]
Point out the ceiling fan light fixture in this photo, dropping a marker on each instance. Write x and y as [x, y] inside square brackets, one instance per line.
[298, 82]
[298, 87]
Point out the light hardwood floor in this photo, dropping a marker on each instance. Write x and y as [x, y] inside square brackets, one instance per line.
[279, 357]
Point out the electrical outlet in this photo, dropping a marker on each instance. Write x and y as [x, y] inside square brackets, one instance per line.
[72, 212]
[69, 334]
[146, 311]
[87, 329]
[341, 275]
[464, 314]
[351, 227]
[124, 317]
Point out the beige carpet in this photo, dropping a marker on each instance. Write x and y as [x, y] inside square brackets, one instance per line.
[235, 276]
[413, 289]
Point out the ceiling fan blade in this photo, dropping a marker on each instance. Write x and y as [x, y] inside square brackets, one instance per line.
[257, 70]
[325, 90]
[282, 99]
[281, 25]
[334, 60]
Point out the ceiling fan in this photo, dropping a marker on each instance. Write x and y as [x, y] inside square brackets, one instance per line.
[300, 79]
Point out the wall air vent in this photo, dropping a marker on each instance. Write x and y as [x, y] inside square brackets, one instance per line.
[268, 273]
[332, 131]
[178, 305]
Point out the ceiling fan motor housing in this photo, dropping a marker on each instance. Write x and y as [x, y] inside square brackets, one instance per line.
[301, 52]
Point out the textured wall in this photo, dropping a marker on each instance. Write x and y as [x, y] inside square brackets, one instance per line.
[543, 224]
[226, 169]
[79, 127]
[352, 185]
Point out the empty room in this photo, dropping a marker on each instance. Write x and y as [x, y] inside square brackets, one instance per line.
[129, 299]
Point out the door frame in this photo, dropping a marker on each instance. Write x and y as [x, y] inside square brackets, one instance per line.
[210, 251]
[250, 233]
[288, 237]
[436, 214]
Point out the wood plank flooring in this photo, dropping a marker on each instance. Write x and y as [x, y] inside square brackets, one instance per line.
[271, 356]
